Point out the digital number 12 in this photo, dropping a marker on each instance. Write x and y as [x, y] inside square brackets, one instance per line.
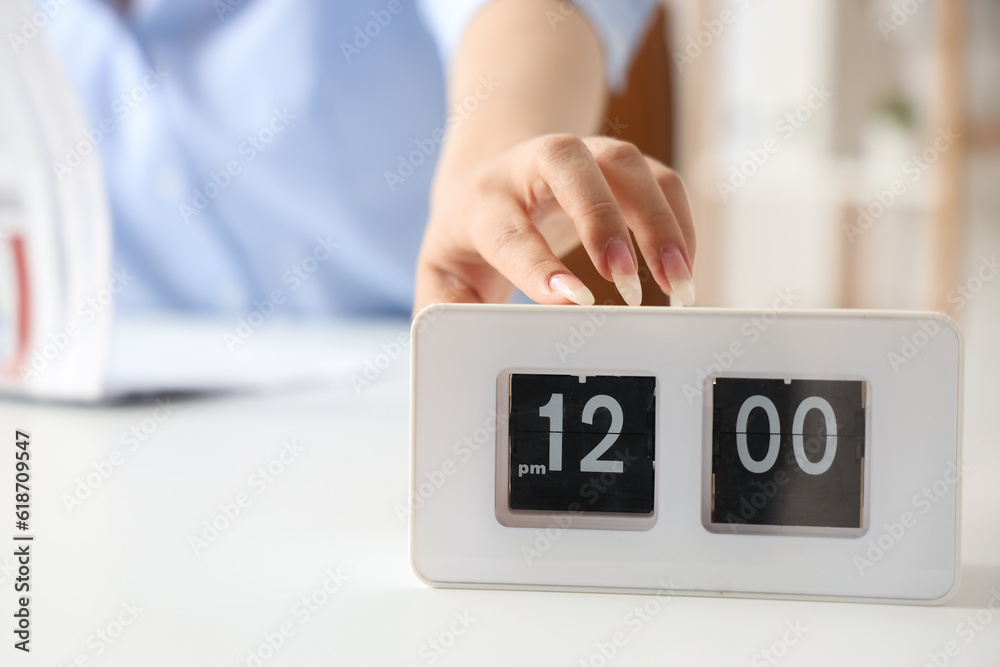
[553, 411]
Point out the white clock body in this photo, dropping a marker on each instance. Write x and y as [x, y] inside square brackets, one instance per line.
[897, 542]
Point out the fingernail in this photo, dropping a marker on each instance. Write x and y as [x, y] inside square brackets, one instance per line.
[572, 288]
[676, 269]
[624, 273]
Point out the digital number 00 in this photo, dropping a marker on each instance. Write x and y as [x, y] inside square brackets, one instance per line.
[774, 428]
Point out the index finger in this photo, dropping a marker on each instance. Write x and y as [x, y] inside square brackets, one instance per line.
[561, 165]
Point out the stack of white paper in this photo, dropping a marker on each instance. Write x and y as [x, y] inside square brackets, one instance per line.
[55, 231]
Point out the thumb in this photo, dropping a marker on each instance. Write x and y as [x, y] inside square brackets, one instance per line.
[436, 285]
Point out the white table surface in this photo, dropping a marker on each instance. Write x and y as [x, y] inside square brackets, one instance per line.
[332, 509]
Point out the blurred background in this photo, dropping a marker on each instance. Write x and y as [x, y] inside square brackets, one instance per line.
[838, 154]
[846, 150]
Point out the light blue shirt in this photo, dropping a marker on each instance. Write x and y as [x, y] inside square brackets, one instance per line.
[257, 148]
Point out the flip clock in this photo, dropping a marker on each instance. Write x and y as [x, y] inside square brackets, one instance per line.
[795, 454]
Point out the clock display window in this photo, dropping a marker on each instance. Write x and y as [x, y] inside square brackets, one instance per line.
[788, 453]
[581, 443]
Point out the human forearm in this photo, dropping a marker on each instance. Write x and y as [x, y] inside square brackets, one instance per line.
[550, 76]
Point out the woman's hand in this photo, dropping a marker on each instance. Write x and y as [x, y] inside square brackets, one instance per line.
[494, 229]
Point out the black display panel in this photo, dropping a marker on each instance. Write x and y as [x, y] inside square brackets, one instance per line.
[788, 453]
[582, 443]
